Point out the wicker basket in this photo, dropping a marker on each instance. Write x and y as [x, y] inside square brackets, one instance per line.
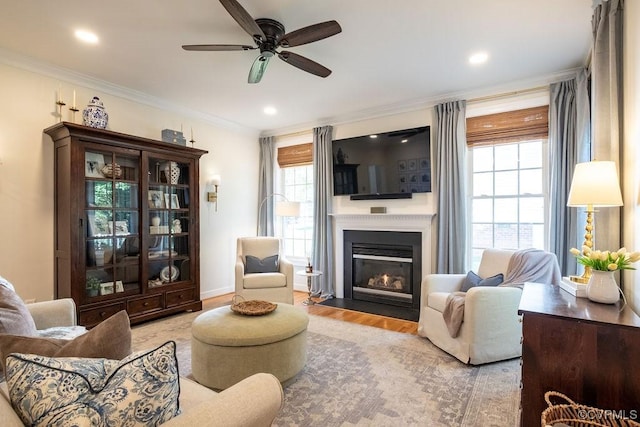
[251, 307]
[575, 415]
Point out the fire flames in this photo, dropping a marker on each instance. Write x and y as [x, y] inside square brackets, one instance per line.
[386, 282]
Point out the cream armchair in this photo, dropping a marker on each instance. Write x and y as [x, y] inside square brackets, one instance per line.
[491, 329]
[270, 286]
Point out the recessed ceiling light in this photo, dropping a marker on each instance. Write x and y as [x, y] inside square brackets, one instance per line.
[374, 136]
[86, 36]
[270, 111]
[478, 58]
[404, 140]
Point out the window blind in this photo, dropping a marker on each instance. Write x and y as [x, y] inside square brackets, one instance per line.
[508, 127]
[295, 155]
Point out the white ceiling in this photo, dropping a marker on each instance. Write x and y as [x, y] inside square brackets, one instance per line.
[390, 54]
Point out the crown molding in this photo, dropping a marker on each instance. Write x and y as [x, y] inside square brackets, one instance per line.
[30, 64]
[426, 102]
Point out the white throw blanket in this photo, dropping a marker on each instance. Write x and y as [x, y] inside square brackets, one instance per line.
[527, 265]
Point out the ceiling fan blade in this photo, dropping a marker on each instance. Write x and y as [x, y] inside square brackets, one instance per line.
[217, 47]
[310, 34]
[305, 64]
[258, 68]
[243, 18]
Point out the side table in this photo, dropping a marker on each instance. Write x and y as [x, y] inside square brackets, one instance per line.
[310, 277]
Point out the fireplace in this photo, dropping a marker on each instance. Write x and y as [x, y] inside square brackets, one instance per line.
[383, 267]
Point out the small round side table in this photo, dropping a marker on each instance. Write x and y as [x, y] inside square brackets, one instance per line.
[310, 277]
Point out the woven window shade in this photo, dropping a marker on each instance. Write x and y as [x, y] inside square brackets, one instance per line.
[295, 155]
[512, 126]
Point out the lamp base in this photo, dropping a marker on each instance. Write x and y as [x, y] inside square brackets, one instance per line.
[576, 289]
[579, 279]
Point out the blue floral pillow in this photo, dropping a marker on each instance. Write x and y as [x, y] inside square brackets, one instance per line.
[140, 390]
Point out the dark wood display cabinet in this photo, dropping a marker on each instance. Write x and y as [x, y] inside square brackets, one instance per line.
[585, 350]
[126, 224]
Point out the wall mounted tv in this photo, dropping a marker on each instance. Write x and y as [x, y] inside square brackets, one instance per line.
[390, 165]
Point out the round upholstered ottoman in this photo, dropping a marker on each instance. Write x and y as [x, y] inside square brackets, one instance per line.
[227, 347]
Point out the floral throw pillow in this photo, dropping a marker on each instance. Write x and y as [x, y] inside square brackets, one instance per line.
[140, 390]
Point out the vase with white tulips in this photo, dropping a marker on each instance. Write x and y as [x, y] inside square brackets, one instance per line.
[606, 260]
[602, 286]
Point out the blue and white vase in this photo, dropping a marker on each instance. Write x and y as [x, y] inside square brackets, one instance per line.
[95, 115]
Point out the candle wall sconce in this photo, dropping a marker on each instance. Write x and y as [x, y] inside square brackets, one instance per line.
[60, 103]
[212, 196]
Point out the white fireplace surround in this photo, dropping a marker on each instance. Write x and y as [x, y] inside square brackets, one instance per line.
[420, 223]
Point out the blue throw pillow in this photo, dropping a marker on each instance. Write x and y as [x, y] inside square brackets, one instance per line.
[473, 280]
[257, 265]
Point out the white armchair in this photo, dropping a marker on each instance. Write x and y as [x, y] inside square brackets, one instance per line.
[270, 286]
[491, 329]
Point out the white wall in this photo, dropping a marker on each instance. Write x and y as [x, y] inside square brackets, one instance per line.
[26, 176]
[631, 139]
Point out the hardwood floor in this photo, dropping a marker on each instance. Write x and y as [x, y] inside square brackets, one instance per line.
[376, 321]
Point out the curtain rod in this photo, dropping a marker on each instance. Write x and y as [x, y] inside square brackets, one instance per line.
[299, 133]
[473, 100]
[508, 94]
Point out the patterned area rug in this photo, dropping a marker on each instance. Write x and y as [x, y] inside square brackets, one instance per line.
[364, 376]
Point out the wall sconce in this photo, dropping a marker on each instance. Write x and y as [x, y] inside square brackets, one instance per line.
[212, 196]
[594, 184]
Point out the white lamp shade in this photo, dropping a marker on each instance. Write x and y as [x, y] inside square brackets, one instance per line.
[215, 180]
[287, 208]
[595, 184]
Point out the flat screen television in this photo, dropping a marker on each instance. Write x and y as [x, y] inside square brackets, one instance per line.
[383, 166]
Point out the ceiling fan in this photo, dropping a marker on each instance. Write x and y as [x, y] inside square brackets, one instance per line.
[269, 35]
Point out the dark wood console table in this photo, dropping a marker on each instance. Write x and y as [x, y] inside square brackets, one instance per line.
[586, 350]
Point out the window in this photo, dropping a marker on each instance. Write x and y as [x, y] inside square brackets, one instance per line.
[296, 184]
[294, 180]
[507, 181]
[508, 200]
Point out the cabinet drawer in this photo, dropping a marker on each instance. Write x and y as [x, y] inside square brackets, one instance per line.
[94, 316]
[144, 305]
[180, 297]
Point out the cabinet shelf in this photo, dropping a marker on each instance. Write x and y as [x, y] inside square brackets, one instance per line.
[111, 247]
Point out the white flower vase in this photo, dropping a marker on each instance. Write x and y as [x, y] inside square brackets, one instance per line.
[172, 172]
[602, 287]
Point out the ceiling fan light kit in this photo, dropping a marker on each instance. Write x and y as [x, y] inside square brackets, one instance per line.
[269, 35]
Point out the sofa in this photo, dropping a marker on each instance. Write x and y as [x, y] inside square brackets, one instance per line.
[254, 401]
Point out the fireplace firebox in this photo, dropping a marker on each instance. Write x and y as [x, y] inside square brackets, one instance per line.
[383, 267]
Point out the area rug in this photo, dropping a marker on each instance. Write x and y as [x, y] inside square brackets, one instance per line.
[359, 375]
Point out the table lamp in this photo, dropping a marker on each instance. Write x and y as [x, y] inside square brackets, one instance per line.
[594, 184]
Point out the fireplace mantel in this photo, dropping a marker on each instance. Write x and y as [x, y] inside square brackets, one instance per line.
[379, 222]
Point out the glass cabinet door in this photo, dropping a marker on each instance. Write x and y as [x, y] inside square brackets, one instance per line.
[168, 243]
[112, 192]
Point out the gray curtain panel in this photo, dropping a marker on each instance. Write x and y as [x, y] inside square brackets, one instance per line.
[450, 161]
[322, 230]
[562, 159]
[265, 188]
[606, 79]
[568, 144]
